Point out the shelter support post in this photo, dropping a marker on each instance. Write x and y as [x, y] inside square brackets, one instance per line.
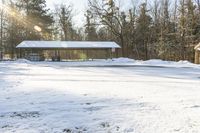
[107, 54]
[110, 53]
[87, 54]
[20, 53]
[57, 56]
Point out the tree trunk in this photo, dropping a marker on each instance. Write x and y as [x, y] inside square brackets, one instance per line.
[1, 41]
[146, 51]
[123, 47]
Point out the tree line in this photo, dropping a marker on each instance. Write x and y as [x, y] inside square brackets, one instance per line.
[164, 29]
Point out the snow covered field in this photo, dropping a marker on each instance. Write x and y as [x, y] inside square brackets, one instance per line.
[48, 97]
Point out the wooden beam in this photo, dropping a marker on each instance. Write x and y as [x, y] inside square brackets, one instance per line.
[197, 57]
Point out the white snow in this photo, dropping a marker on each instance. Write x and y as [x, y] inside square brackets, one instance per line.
[22, 61]
[119, 62]
[46, 97]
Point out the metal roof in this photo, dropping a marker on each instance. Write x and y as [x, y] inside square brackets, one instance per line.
[67, 45]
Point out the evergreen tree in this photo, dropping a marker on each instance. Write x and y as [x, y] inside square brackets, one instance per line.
[38, 20]
[143, 31]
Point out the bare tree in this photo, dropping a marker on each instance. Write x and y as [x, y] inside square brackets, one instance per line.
[110, 16]
[64, 13]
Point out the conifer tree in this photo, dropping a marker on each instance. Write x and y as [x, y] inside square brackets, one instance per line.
[38, 20]
[143, 31]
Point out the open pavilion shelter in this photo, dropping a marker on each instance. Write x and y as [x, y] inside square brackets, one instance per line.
[41, 50]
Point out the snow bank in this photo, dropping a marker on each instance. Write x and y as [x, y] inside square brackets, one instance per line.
[185, 63]
[22, 61]
[162, 63]
[114, 62]
[156, 62]
[123, 60]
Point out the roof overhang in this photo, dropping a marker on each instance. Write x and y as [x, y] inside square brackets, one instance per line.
[67, 45]
[197, 47]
